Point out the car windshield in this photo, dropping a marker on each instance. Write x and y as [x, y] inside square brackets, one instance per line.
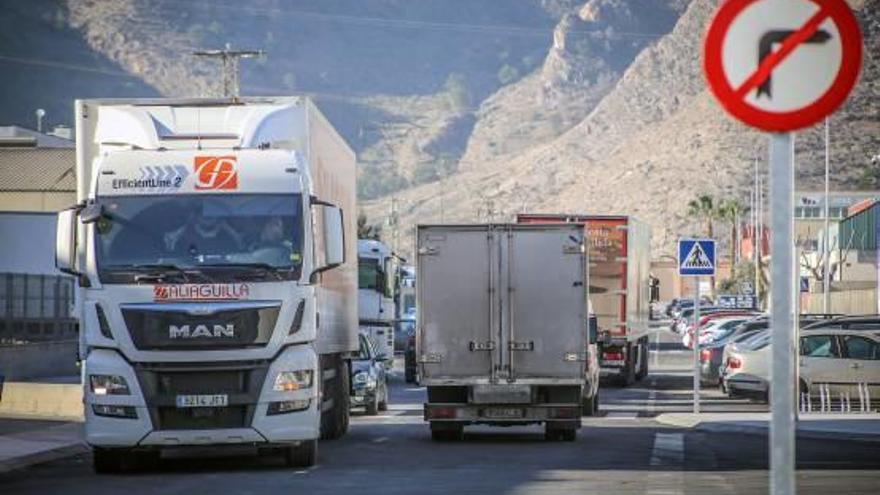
[223, 237]
[368, 273]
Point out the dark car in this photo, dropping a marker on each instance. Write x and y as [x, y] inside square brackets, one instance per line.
[409, 359]
[403, 328]
[369, 384]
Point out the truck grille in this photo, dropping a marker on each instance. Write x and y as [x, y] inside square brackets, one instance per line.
[240, 381]
[202, 418]
[201, 326]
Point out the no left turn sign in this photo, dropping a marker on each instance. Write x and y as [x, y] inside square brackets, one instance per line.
[781, 65]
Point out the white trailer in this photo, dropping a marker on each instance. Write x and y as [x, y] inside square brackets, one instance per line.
[503, 335]
[213, 242]
[376, 309]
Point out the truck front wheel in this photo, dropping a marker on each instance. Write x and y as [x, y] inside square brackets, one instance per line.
[105, 461]
[302, 455]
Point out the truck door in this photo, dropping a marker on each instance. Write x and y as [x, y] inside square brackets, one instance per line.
[458, 327]
[546, 306]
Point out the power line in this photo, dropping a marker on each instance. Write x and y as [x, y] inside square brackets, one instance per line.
[414, 24]
[63, 65]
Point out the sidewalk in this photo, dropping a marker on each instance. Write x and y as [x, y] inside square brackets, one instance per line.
[862, 427]
[27, 442]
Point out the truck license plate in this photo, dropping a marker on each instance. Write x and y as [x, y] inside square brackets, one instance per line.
[503, 412]
[220, 400]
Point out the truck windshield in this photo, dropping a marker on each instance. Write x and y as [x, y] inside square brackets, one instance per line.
[212, 238]
[368, 273]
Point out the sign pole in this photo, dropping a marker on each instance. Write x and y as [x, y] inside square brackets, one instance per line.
[782, 406]
[696, 345]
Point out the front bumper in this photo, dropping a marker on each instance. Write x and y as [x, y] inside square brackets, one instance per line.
[159, 422]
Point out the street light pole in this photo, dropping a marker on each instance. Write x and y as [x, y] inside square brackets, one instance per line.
[826, 252]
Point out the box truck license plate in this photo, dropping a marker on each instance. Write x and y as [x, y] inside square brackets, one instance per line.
[503, 412]
[221, 400]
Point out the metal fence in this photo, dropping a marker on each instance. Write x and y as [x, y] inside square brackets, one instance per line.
[36, 308]
[821, 399]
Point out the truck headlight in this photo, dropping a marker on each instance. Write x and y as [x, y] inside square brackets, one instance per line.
[109, 385]
[289, 381]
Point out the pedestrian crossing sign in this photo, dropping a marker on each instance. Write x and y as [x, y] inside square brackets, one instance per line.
[696, 257]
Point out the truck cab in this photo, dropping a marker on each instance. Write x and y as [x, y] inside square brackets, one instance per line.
[376, 308]
[207, 245]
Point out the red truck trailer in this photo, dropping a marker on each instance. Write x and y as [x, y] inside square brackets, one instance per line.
[620, 250]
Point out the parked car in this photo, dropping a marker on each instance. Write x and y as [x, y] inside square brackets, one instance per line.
[747, 370]
[369, 384]
[713, 322]
[837, 358]
[409, 359]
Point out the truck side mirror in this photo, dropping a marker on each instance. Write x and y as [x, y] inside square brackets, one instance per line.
[334, 237]
[65, 241]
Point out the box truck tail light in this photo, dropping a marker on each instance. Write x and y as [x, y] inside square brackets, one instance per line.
[440, 413]
[734, 363]
[705, 355]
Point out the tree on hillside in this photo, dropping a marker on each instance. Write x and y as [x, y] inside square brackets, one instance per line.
[365, 230]
[705, 209]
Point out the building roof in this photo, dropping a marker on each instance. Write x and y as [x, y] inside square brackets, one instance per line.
[37, 170]
[13, 136]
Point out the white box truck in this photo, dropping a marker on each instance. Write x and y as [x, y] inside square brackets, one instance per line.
[215, 245]
[503, 335]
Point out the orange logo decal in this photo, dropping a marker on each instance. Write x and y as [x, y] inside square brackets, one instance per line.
[216, 172]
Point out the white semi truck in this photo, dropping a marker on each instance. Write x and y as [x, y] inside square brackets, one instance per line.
[503, 327]
[213, 241]
[376, 309]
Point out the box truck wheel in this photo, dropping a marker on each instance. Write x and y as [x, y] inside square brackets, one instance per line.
[554, 433]
[372, 407]
[446, 432]
[302, 455]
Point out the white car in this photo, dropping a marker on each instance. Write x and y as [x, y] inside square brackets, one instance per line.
[834, 358]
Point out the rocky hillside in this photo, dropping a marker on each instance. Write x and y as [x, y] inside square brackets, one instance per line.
[462, 110]
[652, 142]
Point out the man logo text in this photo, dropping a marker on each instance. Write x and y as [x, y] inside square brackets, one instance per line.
[216, 172]
[184, 332]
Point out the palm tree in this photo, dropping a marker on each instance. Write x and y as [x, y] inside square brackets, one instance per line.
[704, 208]
[730, 211]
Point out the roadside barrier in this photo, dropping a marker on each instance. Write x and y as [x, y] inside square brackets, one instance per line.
[842, 402]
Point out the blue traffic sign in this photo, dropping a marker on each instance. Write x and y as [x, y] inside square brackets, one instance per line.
[696, 257]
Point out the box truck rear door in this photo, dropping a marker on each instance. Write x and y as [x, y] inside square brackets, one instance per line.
[457, 270]
[547, 301]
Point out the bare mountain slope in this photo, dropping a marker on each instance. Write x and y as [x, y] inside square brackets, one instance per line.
[653, 143]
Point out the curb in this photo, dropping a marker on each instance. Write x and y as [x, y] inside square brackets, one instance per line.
[43, 456]
[762, 428]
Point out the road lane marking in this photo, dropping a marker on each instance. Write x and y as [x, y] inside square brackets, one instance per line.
[668, 449]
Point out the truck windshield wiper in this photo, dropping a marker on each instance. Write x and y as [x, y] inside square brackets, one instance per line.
[157, 272]
[261, 267]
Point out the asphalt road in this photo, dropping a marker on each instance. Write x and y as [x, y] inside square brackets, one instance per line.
[624, 451]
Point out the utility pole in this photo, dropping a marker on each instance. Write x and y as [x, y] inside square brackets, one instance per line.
[230, 59]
